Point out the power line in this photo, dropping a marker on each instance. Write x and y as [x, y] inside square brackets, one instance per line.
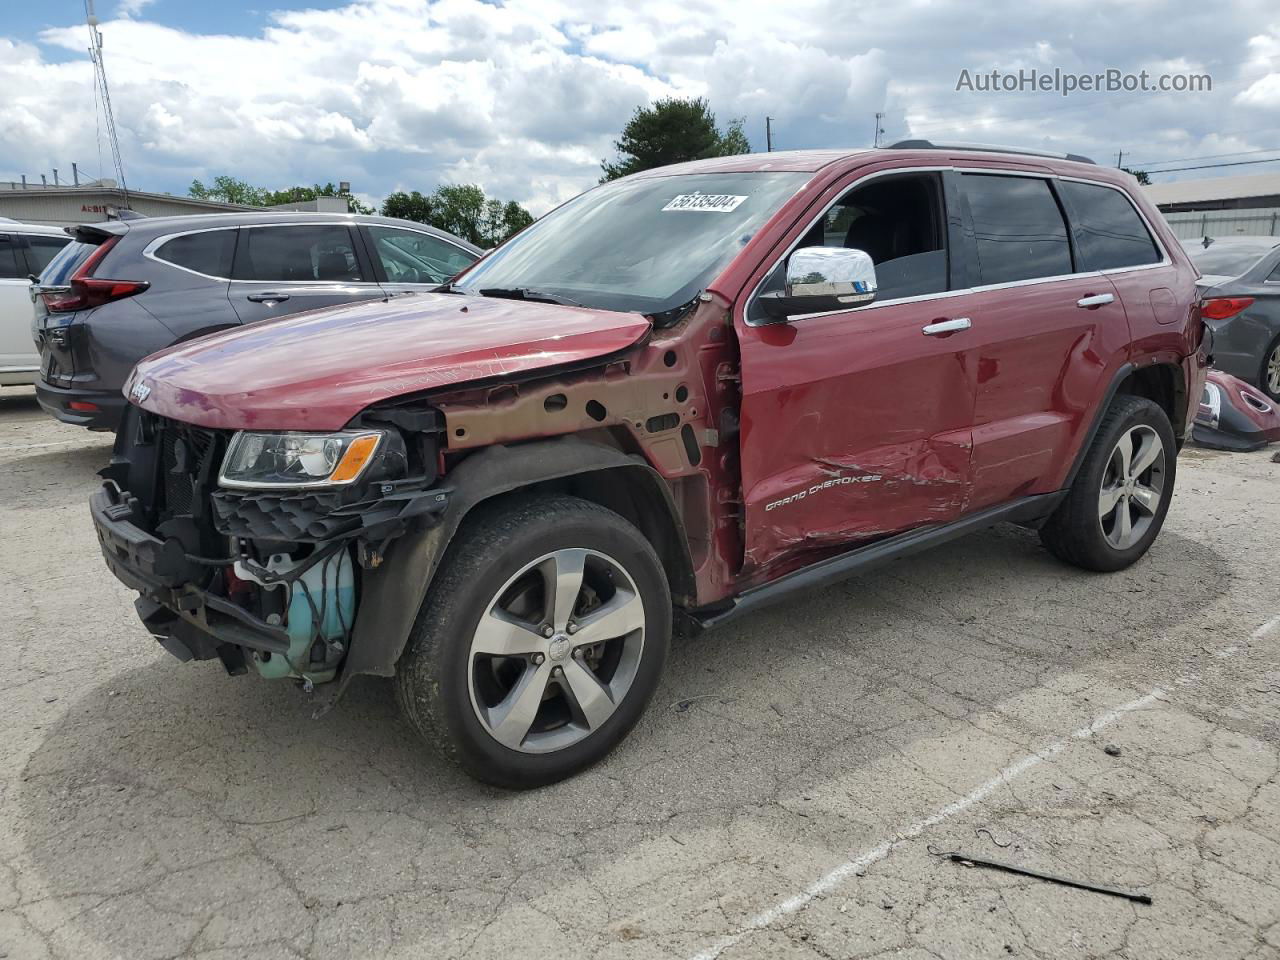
[1211, 156]
[1208, 166]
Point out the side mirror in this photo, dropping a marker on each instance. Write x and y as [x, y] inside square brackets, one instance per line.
[821, 279]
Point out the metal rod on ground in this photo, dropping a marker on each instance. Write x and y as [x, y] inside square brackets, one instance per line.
[967, 858]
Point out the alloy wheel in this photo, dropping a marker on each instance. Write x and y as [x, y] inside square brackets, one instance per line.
[1132, 486]
[556, 650]
[1273, 372]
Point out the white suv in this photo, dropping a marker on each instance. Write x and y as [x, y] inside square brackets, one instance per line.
[25, 250]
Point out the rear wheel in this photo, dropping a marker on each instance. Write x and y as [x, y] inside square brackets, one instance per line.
[540, 642]
[1269, 378]
[1119, 499]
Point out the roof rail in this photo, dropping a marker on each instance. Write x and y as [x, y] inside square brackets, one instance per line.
[986, 148]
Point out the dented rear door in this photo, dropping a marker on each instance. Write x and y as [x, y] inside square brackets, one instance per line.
[855, 426]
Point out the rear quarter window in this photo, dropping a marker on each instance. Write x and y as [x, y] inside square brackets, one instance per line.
[297, 253]
[41, 250]
[208, 252]
[1109, 232]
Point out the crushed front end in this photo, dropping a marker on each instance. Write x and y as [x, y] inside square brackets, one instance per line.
[251, 546]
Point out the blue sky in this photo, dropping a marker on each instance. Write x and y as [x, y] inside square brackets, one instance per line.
[526, 96]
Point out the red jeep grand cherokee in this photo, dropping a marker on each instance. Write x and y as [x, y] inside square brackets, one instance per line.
[695, 389]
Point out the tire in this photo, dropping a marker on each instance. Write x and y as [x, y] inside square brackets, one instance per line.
[1082, 531]
[1269, 374]
[494, 592]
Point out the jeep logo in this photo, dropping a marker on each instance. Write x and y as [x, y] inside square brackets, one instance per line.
[139, 392]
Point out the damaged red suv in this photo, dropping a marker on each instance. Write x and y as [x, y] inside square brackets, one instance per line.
[680, 396]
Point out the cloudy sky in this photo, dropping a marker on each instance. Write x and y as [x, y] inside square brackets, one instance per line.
[525, 97]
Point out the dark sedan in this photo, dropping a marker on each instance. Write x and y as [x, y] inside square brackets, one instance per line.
[1240, 287]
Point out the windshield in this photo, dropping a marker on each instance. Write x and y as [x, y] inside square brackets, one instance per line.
[647, 245]
[1228, 259]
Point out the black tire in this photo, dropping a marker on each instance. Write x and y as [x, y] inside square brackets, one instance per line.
[1075, 532]
[1262, 372]
[491, 547]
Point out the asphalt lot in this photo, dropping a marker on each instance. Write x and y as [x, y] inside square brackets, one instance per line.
[781, 799]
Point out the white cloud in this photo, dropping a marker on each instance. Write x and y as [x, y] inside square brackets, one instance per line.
[526, 97]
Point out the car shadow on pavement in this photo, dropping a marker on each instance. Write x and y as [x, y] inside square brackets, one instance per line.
[169, 793]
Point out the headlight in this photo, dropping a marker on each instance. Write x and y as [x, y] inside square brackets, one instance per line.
[298, 459]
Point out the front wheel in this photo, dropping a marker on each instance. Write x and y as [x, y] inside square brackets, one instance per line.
[540, 642]
[1118, 501]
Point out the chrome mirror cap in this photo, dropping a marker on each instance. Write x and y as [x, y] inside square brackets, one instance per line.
[841, 272]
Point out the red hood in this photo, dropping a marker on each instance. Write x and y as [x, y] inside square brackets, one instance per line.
[317, 370]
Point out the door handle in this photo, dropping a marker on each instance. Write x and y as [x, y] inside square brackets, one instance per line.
[268, 297]
[1095, 300]
[943, 327]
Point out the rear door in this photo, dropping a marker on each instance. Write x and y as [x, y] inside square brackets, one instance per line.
[286, 268]
[406, 260]
[16, 349]
[190, 276]
[856, 424]
[1047, 336]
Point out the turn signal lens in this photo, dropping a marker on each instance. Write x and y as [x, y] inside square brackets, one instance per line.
[353, 461]
[1220, 308]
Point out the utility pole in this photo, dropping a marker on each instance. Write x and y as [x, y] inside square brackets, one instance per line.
[879, 128]
[1120, 159]
[768, 134]
[104, 94]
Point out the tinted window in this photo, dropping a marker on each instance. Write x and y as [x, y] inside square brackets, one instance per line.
[12, 266]
[297, 253]
[40, 250]
[65, 262]
[1018, 228]
[1275, 274]
[410, 257]
[208, 253]
[1109, 232]
[1226, 259]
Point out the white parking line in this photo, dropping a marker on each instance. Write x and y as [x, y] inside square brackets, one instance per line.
[850, 868]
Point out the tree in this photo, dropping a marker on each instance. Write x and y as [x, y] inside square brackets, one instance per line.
[233, 190]
[673, 130]
[463, 210]
[407, 206]
[1141, 176]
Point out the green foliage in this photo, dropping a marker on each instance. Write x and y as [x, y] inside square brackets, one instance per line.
[1141, 176]
[463, 210]
[233, 190]
[673, 130]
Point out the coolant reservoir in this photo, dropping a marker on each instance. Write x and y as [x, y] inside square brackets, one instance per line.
[321, 606]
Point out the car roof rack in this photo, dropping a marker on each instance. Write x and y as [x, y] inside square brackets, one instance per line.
[984, 147]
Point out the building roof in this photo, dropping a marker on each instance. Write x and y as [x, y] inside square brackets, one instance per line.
[1214, 188]
[15, 189]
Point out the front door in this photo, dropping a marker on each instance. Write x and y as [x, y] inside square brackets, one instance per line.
[856, 424]
[288, 268]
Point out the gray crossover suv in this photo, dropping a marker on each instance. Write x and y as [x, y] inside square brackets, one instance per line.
[125, 289]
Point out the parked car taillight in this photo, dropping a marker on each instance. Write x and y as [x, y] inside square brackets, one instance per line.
[1220, 308]
[83, 291]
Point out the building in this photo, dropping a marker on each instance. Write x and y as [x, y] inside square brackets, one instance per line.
[1220, 206]
[66, 205]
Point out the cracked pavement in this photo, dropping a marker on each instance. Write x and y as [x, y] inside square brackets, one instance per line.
[783, 797]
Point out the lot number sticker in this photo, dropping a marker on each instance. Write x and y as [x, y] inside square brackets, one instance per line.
[704, 202]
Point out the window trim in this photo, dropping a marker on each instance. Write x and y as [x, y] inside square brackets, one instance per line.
[963, 291]
[149, 251]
